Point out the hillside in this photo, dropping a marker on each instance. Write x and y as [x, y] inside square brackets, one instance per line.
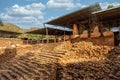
[32, 29]
[11, 27]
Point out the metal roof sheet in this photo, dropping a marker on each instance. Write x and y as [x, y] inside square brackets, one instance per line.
[71, 18]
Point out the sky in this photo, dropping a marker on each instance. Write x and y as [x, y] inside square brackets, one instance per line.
[33, 13]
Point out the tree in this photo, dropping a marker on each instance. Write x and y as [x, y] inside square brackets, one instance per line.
[110, 6]
[1, 23]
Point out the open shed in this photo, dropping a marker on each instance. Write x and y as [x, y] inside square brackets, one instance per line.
[77, 20]
[109, 19]
[80, 16]
[8, 34]
[88, 22]
[51, 31]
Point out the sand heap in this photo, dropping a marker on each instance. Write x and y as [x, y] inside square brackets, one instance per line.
[85, 51]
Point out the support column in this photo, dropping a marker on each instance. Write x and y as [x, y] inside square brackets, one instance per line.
[64, 33]
[46, 33]
[119, 35]
[55, 35]
[90, 27]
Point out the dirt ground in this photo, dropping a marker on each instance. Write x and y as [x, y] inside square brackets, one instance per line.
[60, 61]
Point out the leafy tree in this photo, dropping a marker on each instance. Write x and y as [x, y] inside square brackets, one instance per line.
[110, 6]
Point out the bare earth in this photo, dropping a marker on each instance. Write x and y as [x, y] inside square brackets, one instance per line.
[60, 61]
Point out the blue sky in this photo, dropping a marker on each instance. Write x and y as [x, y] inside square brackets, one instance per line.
[33, 13]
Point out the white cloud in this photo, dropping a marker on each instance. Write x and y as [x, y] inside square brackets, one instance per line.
[63, 4]
[105, 4]
[33, 9]
[27, 15]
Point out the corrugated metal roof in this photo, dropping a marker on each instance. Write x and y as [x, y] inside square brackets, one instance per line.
[9, 32]
[112, 14]
[51, 31]
[106, 10]
[71, 18]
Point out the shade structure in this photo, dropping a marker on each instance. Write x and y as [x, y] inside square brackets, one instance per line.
[81, 15]
[51, 31]
[9, 32]
[108, 14]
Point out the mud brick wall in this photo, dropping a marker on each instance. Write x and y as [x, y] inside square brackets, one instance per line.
[108, 41]
[5, 41]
